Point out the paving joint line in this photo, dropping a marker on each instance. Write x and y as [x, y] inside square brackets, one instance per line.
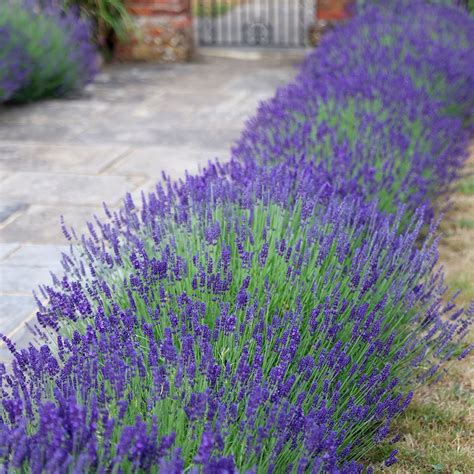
[115, 161]
[12, 217]
[12, 251]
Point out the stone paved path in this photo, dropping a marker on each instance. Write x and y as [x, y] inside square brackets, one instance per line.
[68, 156]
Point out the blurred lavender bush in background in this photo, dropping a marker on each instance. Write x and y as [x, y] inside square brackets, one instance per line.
[15, 63]
[45, 50]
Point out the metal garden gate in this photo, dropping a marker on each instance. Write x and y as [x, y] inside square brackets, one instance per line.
[258, 23]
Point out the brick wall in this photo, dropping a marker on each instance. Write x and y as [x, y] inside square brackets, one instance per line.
[328, 14]
[333, 10]
[163, 31]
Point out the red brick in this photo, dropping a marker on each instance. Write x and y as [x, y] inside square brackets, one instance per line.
[154, 7]
[163, 37]
[333, 10]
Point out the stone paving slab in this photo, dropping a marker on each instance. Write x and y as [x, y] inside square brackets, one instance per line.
[68, 189]
[41, 132]
[9, 209]
[56, 112]
[40, 224]
[141, 135]
[23, 270]
[14, 310]
[37, 157]
[67, 156]
[23, 279]
[151, 161]
[36, 255]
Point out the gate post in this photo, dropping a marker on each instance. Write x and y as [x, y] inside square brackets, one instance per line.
[163, 31]
[333, 10]
[328, 13]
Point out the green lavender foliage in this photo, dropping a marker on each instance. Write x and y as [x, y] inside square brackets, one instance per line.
[54, 55]
[110, 18]
[364, 132]
[52, 68]
[14, 60]
[279, 286]
[469, 4]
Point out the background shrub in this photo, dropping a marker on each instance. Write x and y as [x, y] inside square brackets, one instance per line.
[48, 51]
[14, 60]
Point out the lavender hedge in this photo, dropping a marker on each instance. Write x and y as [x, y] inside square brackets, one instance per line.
[381, 108]
[421, 46]
[46, 50]
[270, 314]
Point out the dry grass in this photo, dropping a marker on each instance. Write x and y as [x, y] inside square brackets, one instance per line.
[438, 428]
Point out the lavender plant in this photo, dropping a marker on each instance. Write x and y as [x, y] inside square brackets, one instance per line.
[361, 4]
[427, 46]
[270, 314]
[373, 107]
[47, 49]
[247, 337]
[360, 146]
[14, 61]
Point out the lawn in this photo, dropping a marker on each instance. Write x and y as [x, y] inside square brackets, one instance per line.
[437, 429]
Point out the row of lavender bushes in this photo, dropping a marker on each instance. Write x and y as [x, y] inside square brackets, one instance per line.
[45, 50]
[273, 313]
